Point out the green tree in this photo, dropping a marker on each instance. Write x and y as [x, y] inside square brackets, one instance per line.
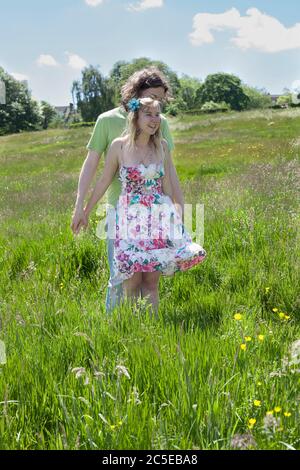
[48, 112]
[123, 70]
[225, 87]
[20, 112]
[176, 106]
[93, 95]
[284, 100]
[115, 79]
[190, 89]
[257, 98]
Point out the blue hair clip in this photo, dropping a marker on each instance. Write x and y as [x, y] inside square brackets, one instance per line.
[134, 104]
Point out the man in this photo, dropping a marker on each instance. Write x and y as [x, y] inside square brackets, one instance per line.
[149, 82]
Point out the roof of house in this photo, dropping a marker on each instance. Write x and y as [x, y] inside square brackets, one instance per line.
[61, 108]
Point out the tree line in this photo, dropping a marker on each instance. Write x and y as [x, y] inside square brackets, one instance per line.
[94, 94]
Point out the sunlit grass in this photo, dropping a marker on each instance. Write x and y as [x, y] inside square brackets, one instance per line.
[77, 378]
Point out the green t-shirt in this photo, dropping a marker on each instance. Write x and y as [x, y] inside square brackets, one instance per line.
[108, 127]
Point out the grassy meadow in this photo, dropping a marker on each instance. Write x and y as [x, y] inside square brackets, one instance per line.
[219, 368]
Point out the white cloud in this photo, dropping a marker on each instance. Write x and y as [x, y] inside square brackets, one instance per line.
[93, 3]
[46, 59]
[76, 62]
[256, 30]
[19, 76]
[145, 5]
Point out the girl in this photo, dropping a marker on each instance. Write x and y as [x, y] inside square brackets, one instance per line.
[150, 238]
[147, 82]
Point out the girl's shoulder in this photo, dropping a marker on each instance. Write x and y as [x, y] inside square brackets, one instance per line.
[118, 142]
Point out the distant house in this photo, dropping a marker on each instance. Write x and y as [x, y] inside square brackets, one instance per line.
[65, 111]
[274, 98]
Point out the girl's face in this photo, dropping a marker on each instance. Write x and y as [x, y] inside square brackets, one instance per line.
[149, 119]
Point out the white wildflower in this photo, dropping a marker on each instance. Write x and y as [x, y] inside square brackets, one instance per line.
[79, 371]
[121, 370]
[242, 441]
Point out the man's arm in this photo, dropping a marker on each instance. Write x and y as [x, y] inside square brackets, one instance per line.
[96, 146]
[109, 171]
[177, 194]
[176, 191]
[86, 176]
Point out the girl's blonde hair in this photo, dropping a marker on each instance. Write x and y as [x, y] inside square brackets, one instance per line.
[132, 127]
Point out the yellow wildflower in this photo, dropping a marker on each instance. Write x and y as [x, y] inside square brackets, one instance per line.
[243, 346]
[251, 423]
[281, 315]
[248, 338]
[275, 309]
[261, 337]
[287, 414]
[238, 316]
[270, 412]
[257, 403]
[277, 409]
[287, 317]
[267, 289]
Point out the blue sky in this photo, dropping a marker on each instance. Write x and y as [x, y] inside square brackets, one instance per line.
[49, 42]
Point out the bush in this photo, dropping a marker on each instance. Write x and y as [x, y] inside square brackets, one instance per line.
[82, 124]
[176, 106]
[275, 106]
[258, 99]
[74, 118]
[194, 111]
[212, 107]
[284, 100]
[56, 122]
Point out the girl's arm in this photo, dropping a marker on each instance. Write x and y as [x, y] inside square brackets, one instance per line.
[171, 183]
[109, 171]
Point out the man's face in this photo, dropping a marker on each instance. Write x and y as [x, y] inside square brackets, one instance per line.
[157, 93]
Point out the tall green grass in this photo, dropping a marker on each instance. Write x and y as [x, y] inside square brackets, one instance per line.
[77, 378]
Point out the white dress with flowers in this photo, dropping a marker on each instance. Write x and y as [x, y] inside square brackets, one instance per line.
[149, 234]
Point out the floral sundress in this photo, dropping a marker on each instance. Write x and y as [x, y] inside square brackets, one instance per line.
[149, 233]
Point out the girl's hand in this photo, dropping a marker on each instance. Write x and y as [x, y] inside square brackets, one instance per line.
[79, 219]
[85, 218]
[179, 210]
